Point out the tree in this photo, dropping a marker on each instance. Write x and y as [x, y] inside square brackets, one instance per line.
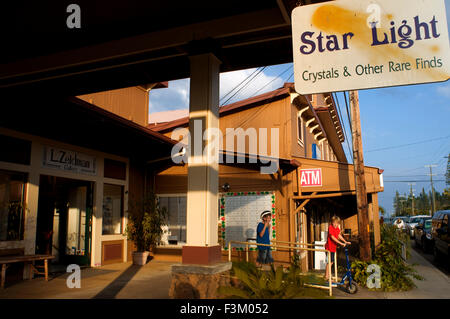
[442, 200]
[400, 204]
[382, 210]
[446, 195]
[423, 203]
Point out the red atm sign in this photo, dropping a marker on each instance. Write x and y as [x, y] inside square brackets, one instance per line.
[311, 177]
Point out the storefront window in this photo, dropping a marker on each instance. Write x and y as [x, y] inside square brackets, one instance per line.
[112, 209]
[12, 190]
[176, 219]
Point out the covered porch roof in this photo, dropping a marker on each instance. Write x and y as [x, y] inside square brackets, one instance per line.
[128, 43]
[74, 121]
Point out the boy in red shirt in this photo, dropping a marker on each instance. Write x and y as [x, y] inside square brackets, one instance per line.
[334, 237]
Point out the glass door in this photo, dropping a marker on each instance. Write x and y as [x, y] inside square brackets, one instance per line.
[78, 225]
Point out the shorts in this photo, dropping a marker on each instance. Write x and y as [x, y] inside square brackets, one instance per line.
[264, 256]
[332, 257]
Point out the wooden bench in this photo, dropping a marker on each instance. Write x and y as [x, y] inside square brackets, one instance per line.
[27, 259]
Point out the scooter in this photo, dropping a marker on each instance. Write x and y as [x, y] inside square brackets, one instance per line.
[351, 287]
[346, 282]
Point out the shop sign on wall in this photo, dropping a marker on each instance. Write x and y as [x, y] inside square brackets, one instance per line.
[66, 160]
[311, 177]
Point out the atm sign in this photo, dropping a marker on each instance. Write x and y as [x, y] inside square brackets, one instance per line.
[311, 177]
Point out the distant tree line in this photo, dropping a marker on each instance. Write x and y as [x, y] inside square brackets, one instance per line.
[403, 204]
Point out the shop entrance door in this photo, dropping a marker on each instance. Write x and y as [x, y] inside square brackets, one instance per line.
[65, 220]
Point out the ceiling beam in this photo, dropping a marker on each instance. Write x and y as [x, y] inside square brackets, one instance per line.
[284, 11]
[146, 43]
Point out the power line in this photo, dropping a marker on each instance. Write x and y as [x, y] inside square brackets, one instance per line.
[245, 85]
[235, 87]
[348, 112]
[412, 175]
[278, 76]
[438, 151]
[409, 144]
[415, 181]
[348, 117]
[290, 76]
[343, 126]
[253, 115]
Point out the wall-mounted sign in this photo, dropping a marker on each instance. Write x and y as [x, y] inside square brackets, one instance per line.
[311, 177]
[69, 161]
[240, 214]
[360, 44]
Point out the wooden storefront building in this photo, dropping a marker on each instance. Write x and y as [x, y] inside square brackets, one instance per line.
[310, 137]
[68, 169]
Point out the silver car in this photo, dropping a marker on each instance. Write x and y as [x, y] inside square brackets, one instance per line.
[413, 222]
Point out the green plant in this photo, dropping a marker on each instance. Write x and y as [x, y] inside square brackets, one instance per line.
[273, 284]
[295, 261]
[145, 221]
[396, 274]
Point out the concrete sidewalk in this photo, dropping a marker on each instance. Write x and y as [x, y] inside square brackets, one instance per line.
[107, 282]
[436, 284]
[153, 281]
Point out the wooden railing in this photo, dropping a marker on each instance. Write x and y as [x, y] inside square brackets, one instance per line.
[293, 246]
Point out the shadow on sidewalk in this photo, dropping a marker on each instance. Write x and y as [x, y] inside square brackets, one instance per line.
[111, 291]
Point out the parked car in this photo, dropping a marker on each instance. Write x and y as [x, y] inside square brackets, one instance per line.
[400, 222]
[413, 222]
[422, 234]
[440, 233]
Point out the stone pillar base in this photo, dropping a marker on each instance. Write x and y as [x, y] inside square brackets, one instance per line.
[199, 281]
[202, 255]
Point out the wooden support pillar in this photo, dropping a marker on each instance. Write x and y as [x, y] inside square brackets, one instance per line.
[292, 220]
[46, 269]
[4, 266]
[360, 180]
[299, 188]
[376, 219]
[305, 237]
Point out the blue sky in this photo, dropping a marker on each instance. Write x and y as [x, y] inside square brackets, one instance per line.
[390, 117]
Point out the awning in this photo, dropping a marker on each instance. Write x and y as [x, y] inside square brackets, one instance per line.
[74, 121]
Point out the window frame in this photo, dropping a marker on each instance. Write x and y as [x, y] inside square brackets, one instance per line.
[23, 202]
[122, 207]
[177, 195]
[300, 129]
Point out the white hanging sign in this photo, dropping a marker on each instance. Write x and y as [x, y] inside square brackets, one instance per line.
[360, 44]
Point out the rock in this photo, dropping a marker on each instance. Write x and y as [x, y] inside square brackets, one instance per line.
[199, 286]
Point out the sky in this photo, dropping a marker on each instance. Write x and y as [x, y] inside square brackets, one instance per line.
[391, 118]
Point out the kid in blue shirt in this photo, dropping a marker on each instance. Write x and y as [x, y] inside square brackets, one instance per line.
[263, 237]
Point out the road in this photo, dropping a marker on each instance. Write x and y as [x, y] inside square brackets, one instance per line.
[430, 258]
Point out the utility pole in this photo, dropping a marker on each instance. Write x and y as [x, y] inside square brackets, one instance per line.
[360, 180]
[447, 172]
[433, 201]
[412, 197]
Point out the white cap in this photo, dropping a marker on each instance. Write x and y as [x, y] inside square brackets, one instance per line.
[265, 213]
